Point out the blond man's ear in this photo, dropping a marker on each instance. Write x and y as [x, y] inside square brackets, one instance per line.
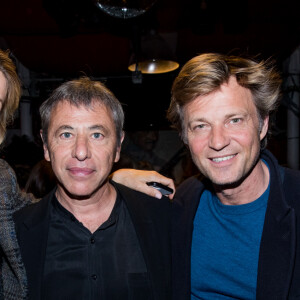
[264, 128]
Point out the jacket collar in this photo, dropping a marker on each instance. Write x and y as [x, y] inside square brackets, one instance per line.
[142, 208]
[33, 242]
[151, 220]
[184, 208]
[278, 242]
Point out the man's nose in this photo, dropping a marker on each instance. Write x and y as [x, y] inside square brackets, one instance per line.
[219, 138]
[81, 149]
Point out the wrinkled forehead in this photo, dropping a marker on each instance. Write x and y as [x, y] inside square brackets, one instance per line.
[228, 89]
[66, 112]
[92, 105]
[230, 99]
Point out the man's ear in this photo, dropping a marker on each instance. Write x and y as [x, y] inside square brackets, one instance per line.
[118, 152]
[264, 128]
[45, 147]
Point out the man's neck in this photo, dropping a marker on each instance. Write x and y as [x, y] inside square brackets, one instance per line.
[91, 212]
[250, 189]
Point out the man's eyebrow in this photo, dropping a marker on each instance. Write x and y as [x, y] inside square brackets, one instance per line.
[198, 119]
[236, 114]
[93, 127]
[99, 127]
[63, 127]
[227, 116]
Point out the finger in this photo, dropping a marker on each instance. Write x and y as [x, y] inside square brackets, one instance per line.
[155, 176]
[151, 192]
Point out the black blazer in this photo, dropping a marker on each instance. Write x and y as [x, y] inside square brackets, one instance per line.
[150, 218]
[279, 257]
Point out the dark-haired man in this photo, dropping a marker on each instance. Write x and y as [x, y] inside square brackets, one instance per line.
[91, 238]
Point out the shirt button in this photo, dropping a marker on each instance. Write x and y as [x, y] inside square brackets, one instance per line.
[94, 276]
[92, 241]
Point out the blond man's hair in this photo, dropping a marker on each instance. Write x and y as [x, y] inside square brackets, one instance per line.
[205, 74]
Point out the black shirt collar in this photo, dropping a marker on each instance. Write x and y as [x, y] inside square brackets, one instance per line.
[63, 212]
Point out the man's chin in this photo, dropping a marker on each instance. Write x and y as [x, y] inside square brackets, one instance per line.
[79, 194]
[219, 179]
[227, 183]
[76, 195]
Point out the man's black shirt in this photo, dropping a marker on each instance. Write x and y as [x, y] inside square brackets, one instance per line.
[107, 264]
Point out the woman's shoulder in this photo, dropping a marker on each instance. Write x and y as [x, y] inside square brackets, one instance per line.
[6, 171]
[4, 163]
[8, 179]
[10, 193]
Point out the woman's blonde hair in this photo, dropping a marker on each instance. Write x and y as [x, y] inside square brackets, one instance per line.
[13, 93]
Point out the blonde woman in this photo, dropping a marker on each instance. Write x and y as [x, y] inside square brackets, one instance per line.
[13, 276]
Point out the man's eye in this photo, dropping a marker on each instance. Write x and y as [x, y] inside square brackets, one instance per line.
[236, 120]
[66, 135]
[97, 135]
[200, 126]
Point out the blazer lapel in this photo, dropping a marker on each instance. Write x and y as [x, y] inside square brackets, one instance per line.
[183, 212]
[32, 235]
[278, 244]
[142, 210]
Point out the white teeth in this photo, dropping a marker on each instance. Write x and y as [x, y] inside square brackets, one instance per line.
[219, 159]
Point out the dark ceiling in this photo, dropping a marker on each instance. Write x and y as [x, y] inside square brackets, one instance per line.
[66, 38]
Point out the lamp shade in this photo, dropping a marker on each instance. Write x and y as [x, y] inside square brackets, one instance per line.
[154, 56]
[154, 66]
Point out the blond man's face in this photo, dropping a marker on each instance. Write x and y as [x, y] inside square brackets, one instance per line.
[224, 134]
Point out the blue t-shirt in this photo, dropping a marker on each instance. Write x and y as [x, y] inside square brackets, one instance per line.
[225, 248]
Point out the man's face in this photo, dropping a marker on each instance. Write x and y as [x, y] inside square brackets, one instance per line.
[3, 89]
[82, 147]
[223, 133]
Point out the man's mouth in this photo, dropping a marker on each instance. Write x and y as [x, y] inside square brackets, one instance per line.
[224, 158]
[80, 171]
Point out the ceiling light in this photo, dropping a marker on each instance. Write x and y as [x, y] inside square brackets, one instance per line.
[155, 66]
